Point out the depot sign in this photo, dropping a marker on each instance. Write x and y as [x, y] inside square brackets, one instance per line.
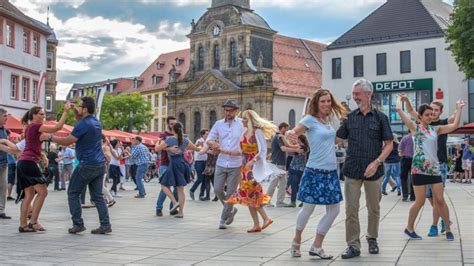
[403, 85]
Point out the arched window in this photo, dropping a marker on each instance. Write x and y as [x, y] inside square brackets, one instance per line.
[201, 58]
[212, 118]
[182, 120]
[233, 54]
[217, 57]
[292, 118]
[197, 125]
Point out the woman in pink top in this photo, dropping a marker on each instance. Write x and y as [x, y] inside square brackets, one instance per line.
[30, 178]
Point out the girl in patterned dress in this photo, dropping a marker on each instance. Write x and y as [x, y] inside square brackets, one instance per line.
[425, 168]
[254, 151]
[320, 182]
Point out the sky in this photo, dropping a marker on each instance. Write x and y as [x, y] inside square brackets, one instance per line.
[105, 39]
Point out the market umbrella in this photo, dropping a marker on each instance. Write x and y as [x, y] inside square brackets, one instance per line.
[466, 129]
[14, 124]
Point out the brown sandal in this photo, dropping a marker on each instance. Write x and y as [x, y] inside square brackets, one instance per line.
[36, 227]
[255, 229]
[26, 229]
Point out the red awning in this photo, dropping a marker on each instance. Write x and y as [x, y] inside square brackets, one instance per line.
[13, 136]
[14, 124]
[466, 129]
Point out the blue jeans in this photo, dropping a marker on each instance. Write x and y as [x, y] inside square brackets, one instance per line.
[199, 166]
[443, 168]
[162, 196]
[294, 179]
[391, 170]
[141, 171]
[83, 175]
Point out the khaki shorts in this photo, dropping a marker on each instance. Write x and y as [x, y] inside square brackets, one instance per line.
[466, 165]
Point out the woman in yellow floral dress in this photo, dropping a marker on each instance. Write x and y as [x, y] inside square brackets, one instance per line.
[253, 145]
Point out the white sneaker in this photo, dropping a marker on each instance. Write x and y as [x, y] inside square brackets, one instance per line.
[314, 251]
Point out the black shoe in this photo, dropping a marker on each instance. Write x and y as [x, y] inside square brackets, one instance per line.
[215, 199]
[373, 246]
[412, 199]
[405, 199]
[204, 198]
[399, 193]
[4, 216]
[350, 252]
[159, 212]
[393, 189]
[385, 193]
[76, 229]
[9, 198]
[174, 212]
[191, 194]
[102, 230]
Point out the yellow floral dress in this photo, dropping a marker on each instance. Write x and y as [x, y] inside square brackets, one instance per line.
[250, 192]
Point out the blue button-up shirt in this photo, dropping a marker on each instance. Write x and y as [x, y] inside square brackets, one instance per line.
[139, 154]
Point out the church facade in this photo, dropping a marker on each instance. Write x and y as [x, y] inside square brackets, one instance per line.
[235, 54]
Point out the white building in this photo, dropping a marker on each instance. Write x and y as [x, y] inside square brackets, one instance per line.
[400, 47]
[23, 43]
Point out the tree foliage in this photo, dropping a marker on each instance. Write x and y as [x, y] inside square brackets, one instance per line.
[125, 112]
[460, 36]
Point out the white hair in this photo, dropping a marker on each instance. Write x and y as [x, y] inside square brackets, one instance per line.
[365, 84]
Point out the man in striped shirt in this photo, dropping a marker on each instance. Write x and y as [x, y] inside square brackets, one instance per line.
[140, 155]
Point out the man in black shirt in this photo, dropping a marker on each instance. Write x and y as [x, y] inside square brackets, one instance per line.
[370, 141]
[442, 158]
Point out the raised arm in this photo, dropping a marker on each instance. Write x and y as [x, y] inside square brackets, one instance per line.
[457, 118]
[406, 120]
[59, 125]
[408, 106]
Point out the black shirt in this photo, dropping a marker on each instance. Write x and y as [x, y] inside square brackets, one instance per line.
[365, 134]
[278, 156]
[442, 139]
[52, 156]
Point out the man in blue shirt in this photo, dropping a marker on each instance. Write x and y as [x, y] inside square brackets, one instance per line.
[3, 165]
[88, 138]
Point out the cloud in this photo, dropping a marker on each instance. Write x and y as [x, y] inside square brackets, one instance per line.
[62, 89]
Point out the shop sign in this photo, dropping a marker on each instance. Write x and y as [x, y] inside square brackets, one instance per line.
[403, 85]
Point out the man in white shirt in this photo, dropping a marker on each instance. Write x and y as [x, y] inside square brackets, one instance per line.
[225, 137]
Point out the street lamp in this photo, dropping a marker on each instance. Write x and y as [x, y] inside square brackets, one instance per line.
[348, 99]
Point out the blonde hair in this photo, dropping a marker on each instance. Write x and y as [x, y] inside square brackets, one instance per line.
[53, 147]
[257, 122]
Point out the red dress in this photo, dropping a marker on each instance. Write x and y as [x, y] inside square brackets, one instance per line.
[250, 192]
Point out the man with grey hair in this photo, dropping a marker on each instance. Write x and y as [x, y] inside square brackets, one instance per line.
[370, 141]
[3, 165]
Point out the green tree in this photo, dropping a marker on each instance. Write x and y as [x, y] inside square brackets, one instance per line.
[58, 110]
[125, 112]
[460, 36]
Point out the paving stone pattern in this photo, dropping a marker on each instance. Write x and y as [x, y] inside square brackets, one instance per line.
[139, 237]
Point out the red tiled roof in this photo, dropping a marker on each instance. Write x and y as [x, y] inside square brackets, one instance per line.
[168, 59]
[295, 71]
[123, 85]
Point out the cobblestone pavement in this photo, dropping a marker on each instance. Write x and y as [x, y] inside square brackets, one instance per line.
[139, 237]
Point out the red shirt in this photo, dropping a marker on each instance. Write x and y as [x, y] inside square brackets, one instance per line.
[164, 155]
[32, 150]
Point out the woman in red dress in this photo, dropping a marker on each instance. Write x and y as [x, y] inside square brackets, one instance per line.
[254, 150]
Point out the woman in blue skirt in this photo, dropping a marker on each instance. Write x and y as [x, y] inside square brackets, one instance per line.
[319, 183]
[178, 173]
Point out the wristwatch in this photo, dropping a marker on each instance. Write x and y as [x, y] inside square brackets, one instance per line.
[379, 161]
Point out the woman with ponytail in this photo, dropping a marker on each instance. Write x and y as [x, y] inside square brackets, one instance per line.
[30, 178]
[178, 173]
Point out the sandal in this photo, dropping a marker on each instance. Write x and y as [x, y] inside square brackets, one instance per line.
[314, 251]
[267, 223]
[175, 207]
[295, 250]
[26, 229]
[179, 216]
[36, 227]
[254, 229]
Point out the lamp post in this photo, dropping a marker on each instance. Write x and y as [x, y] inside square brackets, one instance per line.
[348, 99]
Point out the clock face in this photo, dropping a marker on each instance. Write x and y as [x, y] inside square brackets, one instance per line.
[216, 30]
